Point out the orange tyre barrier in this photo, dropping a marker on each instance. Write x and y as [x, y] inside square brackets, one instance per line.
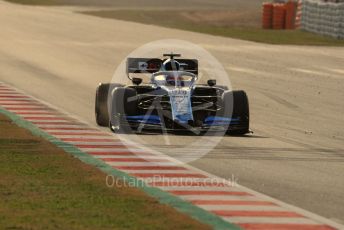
[290, 15]
[280, 16]
[278, 19]
[267, 15]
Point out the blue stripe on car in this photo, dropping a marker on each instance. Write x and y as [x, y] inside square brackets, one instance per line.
[151, 119]
[213, 120]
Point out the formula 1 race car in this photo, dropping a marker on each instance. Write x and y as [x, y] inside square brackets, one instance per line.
[171, 100]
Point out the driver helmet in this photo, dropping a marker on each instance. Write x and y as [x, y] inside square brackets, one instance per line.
[171, 79]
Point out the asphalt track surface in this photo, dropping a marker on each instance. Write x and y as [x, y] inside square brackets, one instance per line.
[296, 97]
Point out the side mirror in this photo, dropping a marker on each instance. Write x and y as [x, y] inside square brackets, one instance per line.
[136, 81]
[212, 82]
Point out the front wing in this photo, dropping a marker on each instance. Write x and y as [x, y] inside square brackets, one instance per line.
[155, 123]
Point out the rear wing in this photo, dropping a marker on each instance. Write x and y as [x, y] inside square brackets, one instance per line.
[153, 65]
[143, 65]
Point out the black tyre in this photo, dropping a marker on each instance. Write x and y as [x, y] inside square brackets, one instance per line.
[124, 103]
[102, 103]
[236, 105]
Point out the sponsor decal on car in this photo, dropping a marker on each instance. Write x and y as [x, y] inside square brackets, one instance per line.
[180, 99]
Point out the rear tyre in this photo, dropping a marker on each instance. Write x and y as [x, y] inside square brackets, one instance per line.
[102, 103]
[239, 101]
[124, 103]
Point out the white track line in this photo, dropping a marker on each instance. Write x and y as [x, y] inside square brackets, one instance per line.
[224, 197]
[156, 171]
[198, 188]
[116, 150]
[141, 164]
[139, 156]
[242, 207]
[269, 220]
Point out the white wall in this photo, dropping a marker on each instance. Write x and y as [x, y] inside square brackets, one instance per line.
[324, 18]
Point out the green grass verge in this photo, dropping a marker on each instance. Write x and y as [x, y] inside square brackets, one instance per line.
[42, 187]
[177, 19]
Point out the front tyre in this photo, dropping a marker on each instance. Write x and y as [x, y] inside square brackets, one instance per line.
[237, 107]
[124, 103]
[102, 103]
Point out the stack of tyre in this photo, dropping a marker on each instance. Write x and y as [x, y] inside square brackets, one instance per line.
[290, 16]
[279, 12]
[267, 15]
[279, 16]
